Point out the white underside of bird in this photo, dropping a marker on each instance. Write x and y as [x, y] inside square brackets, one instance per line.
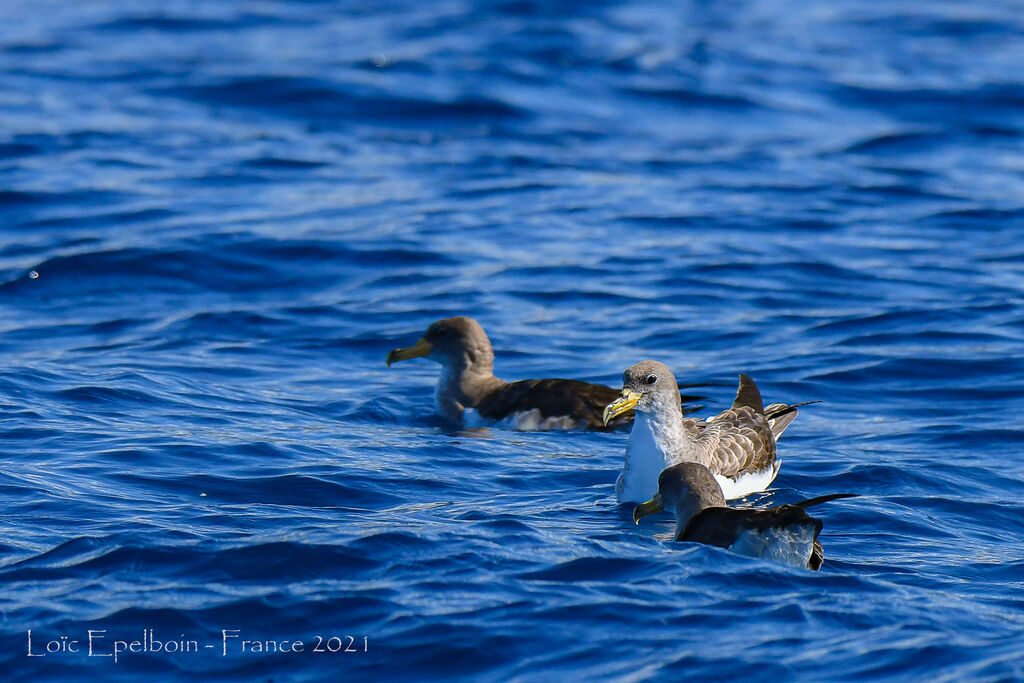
[792, 545]
[750, 482]
[525, 421]
[645, 460]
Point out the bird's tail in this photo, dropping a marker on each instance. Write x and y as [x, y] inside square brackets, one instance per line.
[810, 502]
[777, 410]
[780, 415]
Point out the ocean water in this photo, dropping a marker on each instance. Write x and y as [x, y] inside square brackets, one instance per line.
[217, 217]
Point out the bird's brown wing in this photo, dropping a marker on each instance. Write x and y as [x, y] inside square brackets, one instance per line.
[747, 394]
[779, 415]
[557, 398]
[722, 527]
[553, 398]
[739, 441]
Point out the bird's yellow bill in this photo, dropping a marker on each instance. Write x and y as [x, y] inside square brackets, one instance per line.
[627, 401]
[648, 508]
[418, 350]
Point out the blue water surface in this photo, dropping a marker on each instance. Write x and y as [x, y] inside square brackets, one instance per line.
[217, 217]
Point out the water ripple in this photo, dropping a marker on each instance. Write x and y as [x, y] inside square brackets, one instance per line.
[218, 220]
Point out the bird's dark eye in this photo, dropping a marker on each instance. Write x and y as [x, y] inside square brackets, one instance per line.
[440, 332]
[651, 379]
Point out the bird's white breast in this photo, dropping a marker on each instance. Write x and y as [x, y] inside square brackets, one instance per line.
[645, 458]
[446, 397]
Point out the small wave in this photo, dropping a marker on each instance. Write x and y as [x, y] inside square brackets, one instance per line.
[324, 101]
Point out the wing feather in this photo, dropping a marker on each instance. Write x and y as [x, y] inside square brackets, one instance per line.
[737, 441]
[552, 397]
[722, 526]
[556, 398]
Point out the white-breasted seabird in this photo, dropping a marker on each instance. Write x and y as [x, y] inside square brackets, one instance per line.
[737, 445]
[462, 348]
[784, 533]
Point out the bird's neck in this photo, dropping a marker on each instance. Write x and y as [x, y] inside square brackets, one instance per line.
[465, 382]
[660, 429]
[687, 509]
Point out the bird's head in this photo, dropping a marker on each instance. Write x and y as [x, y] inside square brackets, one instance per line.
[646, 386]
[450, 341]
[686, 489]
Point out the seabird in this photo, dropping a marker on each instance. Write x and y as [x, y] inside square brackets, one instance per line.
[784, 533]
[737, 445]
[462, 348]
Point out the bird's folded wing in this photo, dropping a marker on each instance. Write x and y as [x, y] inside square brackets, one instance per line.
[552, 397]
[738, 444]
[723, 526]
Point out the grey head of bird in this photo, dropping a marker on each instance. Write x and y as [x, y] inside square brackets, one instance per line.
[457, 341]
[647, 387]
[685, 489]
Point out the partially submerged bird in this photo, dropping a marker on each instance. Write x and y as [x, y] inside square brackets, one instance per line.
[785, 533]
[462, 348]
[737, 445]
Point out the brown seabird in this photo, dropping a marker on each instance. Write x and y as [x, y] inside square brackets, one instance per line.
[462, 348]
[737, 445]
[784, 533]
